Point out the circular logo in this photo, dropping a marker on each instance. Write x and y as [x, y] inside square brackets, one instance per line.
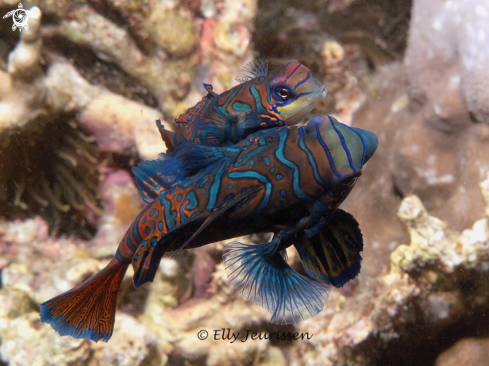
[20, 17]
[203, 334]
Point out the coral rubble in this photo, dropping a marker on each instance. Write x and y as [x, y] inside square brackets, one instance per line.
[425, 291]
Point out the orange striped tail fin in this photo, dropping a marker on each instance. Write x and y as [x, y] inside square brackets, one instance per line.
[88, 310]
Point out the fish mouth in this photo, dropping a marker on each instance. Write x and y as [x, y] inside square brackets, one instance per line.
[322, 91]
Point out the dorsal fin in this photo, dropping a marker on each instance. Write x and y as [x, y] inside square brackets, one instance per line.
[253, 69]
[154, 176]
[210, 90]
[167, 136]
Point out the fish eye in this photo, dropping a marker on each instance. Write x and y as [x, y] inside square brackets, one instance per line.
[283, 94]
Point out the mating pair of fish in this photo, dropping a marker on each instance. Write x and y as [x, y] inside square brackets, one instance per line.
[277, 178]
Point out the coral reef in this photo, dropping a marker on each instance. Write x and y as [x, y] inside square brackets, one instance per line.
[435, 281]
[79, 93]
[428, 113]
[433, 284]
[108, 70]
[339, 40]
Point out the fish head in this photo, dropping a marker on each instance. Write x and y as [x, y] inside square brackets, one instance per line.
[342, 151]
[293, 93]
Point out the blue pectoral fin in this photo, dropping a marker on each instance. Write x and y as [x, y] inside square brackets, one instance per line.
[195, 157]
[331, 253]
[268, 281]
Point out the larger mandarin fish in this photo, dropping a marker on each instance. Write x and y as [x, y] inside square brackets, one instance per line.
[262, 100]
[289, 180]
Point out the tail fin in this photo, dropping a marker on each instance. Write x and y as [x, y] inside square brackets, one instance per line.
[267, 280]
[88, 310]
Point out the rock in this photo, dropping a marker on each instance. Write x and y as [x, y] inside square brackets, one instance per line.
[122, 203]
[39, 268]
[179, 327]
[467, 352]
[434, 146]
[423, 289]
[26, 341]
[174, 33]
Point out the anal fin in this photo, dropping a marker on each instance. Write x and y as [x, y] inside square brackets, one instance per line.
[148, 256]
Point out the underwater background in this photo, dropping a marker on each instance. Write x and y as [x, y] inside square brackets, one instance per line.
[79, 94]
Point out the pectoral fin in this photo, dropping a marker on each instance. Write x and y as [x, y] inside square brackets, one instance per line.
[152, 177]
[218, 212]
[332, 253]
[267, 280]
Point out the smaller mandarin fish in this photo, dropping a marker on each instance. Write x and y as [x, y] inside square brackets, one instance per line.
[289, 180]
[262, 100]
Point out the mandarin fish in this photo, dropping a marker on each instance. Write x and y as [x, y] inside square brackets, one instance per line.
[260, 101]
[289, 180]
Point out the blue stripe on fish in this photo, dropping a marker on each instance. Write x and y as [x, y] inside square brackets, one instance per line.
[308, 75]
[344, 145]
[292, 73]
[312, 162]
[327, 151]
[364, 145]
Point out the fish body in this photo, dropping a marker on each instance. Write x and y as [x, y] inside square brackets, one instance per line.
[286, 180]
[260, 101]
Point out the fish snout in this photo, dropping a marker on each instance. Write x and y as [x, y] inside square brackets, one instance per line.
[321, 91]
[371, 142]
